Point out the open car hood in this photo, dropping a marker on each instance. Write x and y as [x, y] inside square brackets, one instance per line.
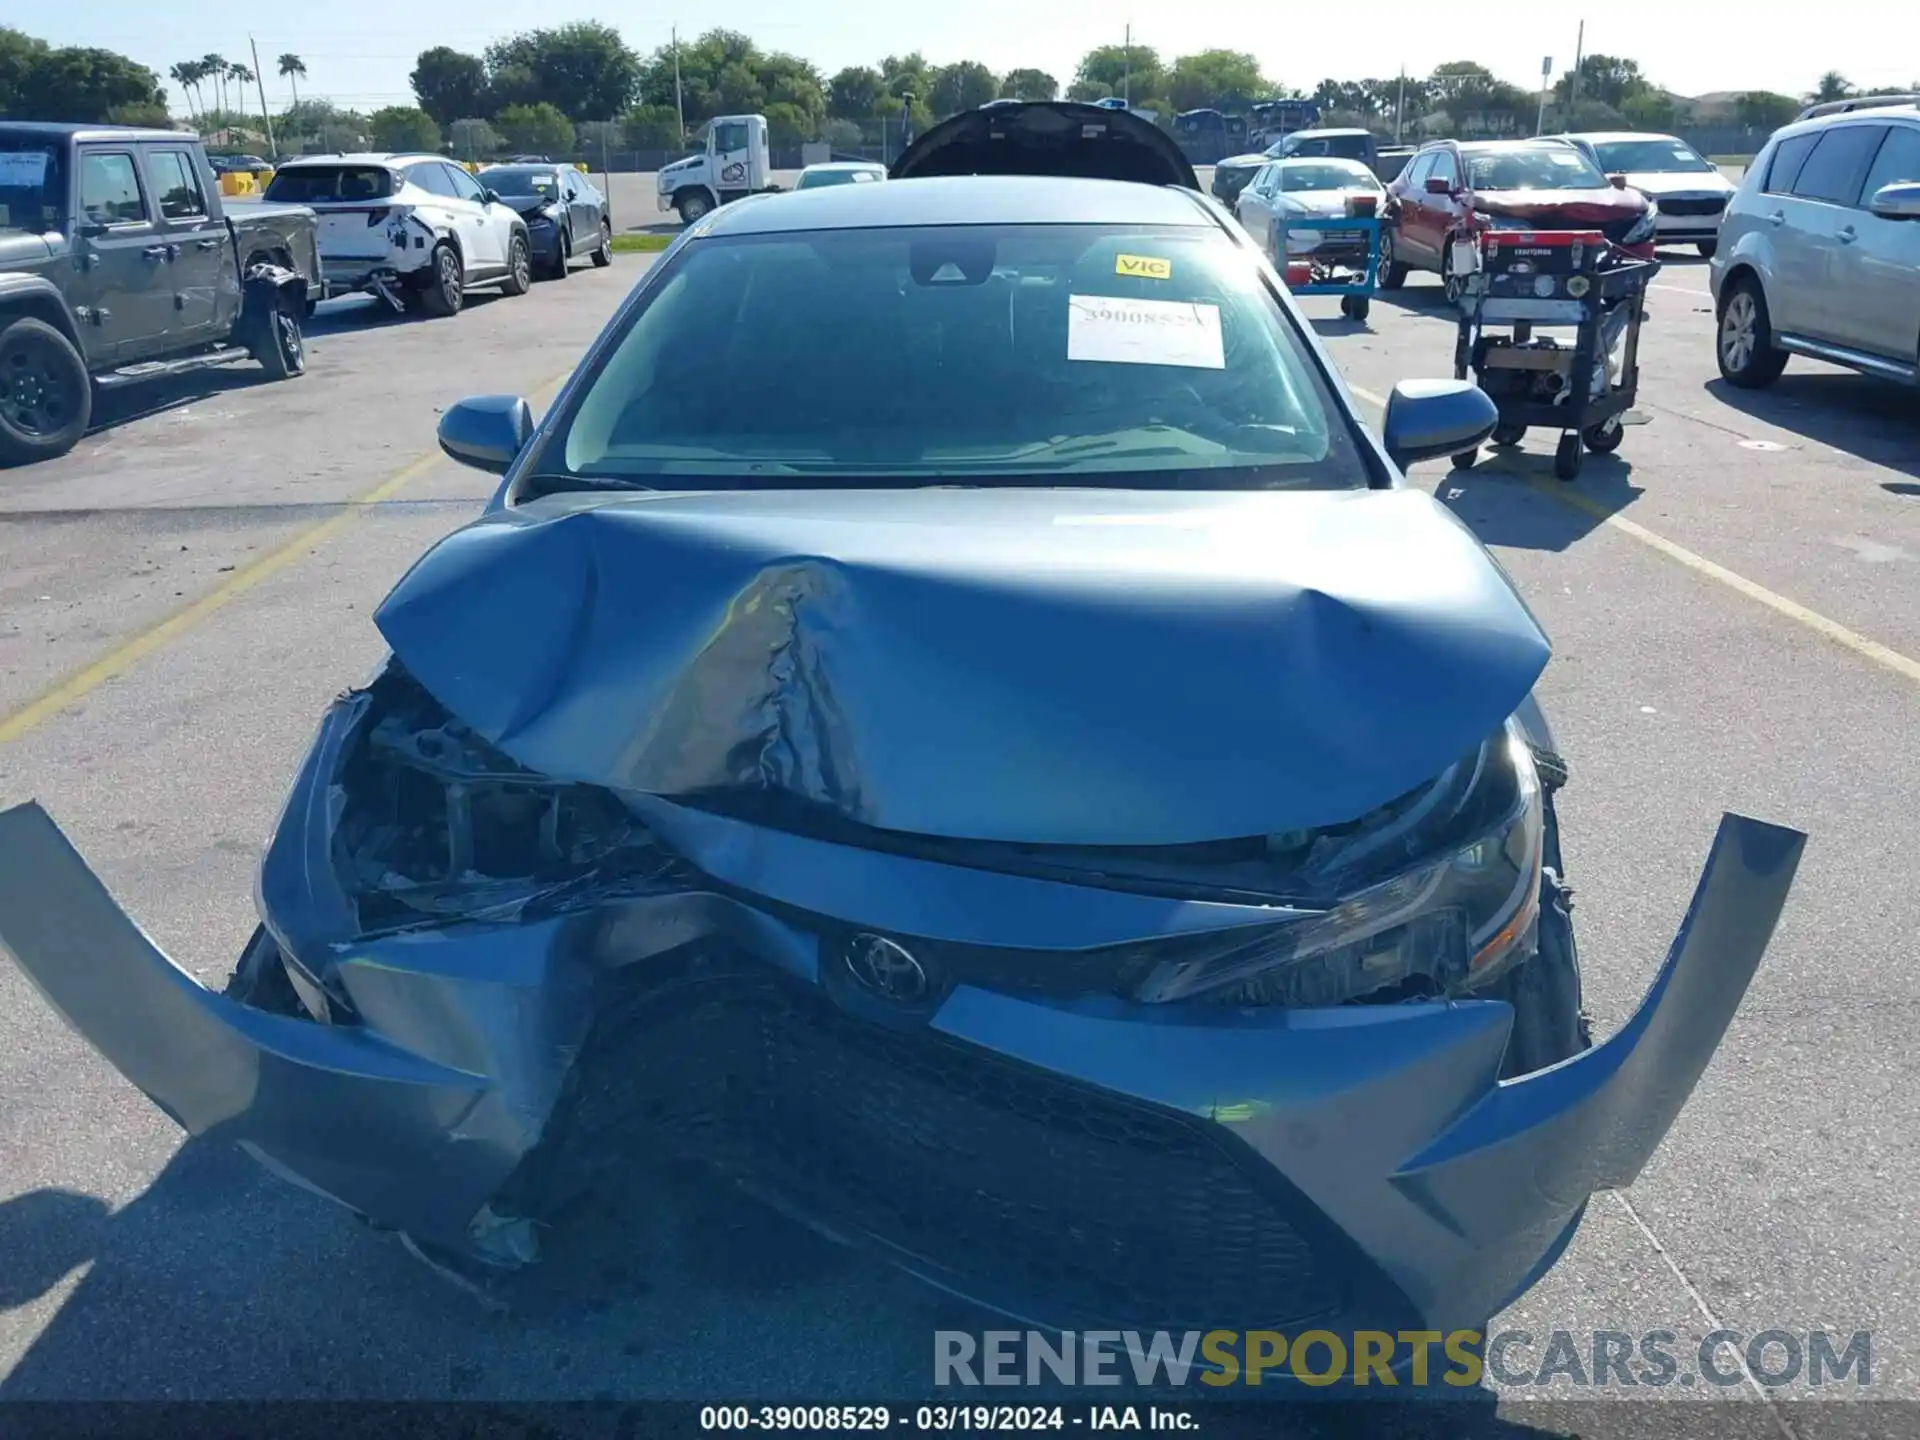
[1028, 666]
[1048, 137]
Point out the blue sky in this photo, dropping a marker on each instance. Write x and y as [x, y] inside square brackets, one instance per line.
[359, 52]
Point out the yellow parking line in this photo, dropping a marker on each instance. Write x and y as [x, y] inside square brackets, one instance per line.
[124, 657]
[1881, 655]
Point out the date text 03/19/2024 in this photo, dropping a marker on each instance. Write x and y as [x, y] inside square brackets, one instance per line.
[815, 1419]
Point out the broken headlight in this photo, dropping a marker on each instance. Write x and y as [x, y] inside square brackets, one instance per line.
[1445, 924]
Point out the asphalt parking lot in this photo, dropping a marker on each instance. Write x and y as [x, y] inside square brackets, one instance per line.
[1733, 599]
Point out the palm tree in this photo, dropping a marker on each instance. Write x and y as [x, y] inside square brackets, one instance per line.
[294, 70]
[215, 67]
[186, 75]
[1833, 86]
[242, 77]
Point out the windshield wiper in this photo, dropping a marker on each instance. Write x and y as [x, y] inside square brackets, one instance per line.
[533, 487]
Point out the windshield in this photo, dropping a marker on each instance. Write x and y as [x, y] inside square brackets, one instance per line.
[813, 179]
[1143, 356]
[32, 190]
[1532, 167]
[521, 180]
[317, 184]
[1652, 157]
[1326, 175]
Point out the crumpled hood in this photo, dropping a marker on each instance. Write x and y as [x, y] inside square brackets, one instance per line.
[1567, 207]
[1041, 666]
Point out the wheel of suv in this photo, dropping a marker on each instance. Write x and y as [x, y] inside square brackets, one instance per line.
[1707, 248]
[279, 346]
[603, 252]
[562, 252]
[1744, 346]
[1453, 285]
[519, 276]
[1391, 274]
[445, 289]
[46, 397]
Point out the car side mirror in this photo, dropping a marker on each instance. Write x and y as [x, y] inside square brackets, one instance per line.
[1439, 185]
[490, 196]
[486, 431]
[1429, 418]
[1618, 182]
[1900, 201]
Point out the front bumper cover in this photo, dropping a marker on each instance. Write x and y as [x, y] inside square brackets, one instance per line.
[1385, 1126]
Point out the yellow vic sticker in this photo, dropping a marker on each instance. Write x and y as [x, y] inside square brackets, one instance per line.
[1143, 267]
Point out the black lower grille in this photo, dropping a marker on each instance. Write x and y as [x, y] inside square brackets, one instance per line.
[1712, 205]
[1051, 1200]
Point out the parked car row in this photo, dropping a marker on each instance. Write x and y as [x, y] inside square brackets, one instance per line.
[119, 262]
[420, 232]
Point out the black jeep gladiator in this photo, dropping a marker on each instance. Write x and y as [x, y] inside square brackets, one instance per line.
[118, 264]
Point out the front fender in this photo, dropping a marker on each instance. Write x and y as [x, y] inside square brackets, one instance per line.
[23, 292]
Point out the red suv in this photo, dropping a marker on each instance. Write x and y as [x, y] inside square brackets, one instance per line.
[1454, 187]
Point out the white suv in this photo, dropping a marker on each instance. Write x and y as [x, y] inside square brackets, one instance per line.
[416, 230]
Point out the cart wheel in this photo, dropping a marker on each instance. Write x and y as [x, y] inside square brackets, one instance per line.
[1507, 436]
[1355, 307]
[1465, 459]
[1604, 438]
[1568, 456]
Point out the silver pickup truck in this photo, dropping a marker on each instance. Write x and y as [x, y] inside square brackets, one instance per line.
[118, 265]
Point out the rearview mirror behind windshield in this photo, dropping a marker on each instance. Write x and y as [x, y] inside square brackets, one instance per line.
[1429, 418]
[486, 431]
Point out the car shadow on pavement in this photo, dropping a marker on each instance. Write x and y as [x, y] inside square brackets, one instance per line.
[1512, 500]
[1874, 420]
[115, 408]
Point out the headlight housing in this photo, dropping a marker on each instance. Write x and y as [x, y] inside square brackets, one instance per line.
[1446, 924]
[1643, 228]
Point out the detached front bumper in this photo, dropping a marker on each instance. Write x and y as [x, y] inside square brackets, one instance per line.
[1360, 1166]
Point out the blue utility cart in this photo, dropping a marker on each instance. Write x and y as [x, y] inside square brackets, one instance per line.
[1346, 263]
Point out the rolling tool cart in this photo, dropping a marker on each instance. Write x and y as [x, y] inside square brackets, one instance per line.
[1518, 281]
[1346, 262]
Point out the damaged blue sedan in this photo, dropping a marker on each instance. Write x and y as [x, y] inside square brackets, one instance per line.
[953, 722]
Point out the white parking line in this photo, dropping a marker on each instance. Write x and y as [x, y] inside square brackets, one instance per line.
[1872, 650]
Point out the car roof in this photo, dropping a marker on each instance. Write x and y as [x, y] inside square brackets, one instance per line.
[1494, 147]
[847, 165]
[1608, 137]
[366, 157]
[68, 130]
[1330, 130]
[1875, 115]
[951, 200]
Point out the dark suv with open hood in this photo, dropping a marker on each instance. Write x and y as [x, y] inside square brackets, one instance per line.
[982, 746]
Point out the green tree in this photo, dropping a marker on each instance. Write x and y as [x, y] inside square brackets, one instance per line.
[1029, 84]
[584, 65]
[1608, 79]
[651, 127]
[1478, 103]
[854, 92]
[725, 73]
[1651, 110]
[1225, 79]
[1765, 110]
[450, 84]
[75, 83]
[474, 139]
[402, 127]
[843, 135]
[537, 129]
[788, 126]
[963, 85]
[293, 70]
[1833, 86]
[907, 75]
[1116, 69]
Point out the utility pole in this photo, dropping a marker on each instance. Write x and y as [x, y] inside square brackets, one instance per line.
[1400, 107]
[1579, 53]
[260, 81]
[1126, 69]
[679, 100]
[1546, 79]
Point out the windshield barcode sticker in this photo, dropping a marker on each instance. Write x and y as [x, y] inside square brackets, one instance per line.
[1106, 329]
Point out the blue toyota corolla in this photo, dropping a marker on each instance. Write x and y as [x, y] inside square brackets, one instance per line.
[952, 721]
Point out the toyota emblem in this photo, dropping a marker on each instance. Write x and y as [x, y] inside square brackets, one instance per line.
[887, 969]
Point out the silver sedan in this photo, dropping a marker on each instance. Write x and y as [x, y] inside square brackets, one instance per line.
[1317, 188]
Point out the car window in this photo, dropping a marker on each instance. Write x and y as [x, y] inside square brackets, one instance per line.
[1444, 167]
[1532, 167]
[1649, 157]
[33, 189]
[1349, 147]
[519, 179]
[1325, 175]
[729, 137]
[1897, 163]
[110, 188]
[176, 184]
[326, 184]
[1788, 156]
[1036, 354]
[431, 177]
[1834, 171]
[1416, 173]
[464, 185]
